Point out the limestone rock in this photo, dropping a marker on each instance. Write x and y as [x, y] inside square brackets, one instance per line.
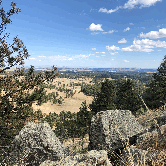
[109, 128]
[36, 143]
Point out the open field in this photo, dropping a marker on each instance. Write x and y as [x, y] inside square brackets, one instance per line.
[71, 104]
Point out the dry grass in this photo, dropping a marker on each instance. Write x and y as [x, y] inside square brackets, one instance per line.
[71, 104]
[153, 144]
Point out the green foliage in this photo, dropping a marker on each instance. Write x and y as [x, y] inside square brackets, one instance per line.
[83, 119]
[98, 76]
[16, 101]
[91, 90]
[66, 126]
[70, 125]
[119, 94]
[38, 115]
[127, 98]
[52, 119]
[104, 99]
[155, 94]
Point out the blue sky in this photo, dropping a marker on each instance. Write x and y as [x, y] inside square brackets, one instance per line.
[90, 33]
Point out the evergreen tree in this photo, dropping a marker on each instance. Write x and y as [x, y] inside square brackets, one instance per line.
[62, 125]
[127, 98]
[72, 126]
[83, 119]
[15, 99]
[104, 99]
[155, 94]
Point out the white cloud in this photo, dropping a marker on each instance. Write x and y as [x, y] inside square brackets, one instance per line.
[68, 57]
[122, 41]
[154, 34]
[127, 29]
[95, 27]
[126, 61]
[113, 53]
[97, 52]
[102, 52]
[131, 4]
[137, 48]
[104, 10]
[111, 31]
[143, 3]
[131, 23]
[32, 58]
[150, 43]
[81, 56]
[145, 45]
[42, 56]
[112, 48]
[94, 33]
[93, 48]
[112, 59]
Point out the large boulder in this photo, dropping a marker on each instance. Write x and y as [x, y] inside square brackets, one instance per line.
[36, 143]
[91, 158]
[109, 130]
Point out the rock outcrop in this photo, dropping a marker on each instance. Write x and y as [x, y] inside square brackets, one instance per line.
[110, 129]
[35, 144]
[91, 158]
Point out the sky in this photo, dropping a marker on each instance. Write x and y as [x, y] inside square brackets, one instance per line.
[90, 33]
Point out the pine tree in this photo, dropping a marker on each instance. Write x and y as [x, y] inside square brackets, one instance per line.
[127, 98]
[155, 94]
[104, 99]
[83, 119]
[16, 101]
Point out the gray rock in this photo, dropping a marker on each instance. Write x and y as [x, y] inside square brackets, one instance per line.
[109, 129]
[91, 158]
[153, 133]
[36, 143]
